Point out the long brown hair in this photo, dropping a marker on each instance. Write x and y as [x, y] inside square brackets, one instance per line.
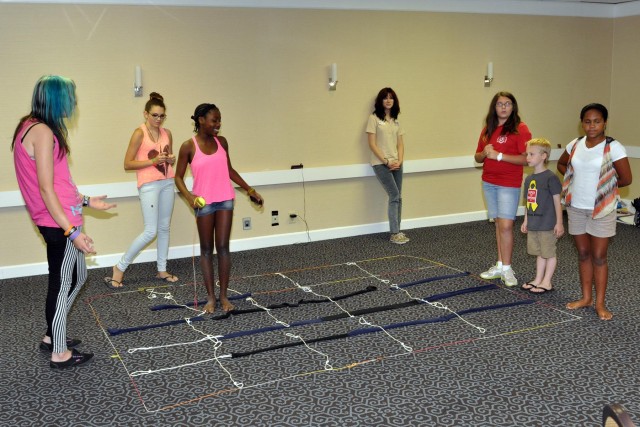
[379, 106]
[491, 121]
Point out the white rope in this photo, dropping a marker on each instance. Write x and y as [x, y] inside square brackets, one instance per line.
[207, 338]
[168, 296]
[268, 311]
[361, 320]
[217, 343]
[327, 363]
[432, 304]
[171, 368]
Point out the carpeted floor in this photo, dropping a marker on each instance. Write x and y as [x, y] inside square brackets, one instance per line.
[349, 332]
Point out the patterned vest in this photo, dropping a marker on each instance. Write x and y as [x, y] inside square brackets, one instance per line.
[607, 194]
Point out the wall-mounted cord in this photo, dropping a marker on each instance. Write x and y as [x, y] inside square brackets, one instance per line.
[304, 203]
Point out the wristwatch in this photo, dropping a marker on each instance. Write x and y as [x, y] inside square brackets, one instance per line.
[499, 158]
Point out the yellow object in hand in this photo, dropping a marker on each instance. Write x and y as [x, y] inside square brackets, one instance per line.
[199, 202]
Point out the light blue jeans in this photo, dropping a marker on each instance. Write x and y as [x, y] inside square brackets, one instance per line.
[392, 183]
[156, 201]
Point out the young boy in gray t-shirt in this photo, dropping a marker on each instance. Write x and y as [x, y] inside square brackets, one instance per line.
[543, 216]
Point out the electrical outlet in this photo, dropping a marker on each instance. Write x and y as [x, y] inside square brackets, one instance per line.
[292, 217]
[274, 218]
[246, 223]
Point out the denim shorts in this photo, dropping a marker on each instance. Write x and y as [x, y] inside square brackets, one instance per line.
[502, 202]
[212, 208]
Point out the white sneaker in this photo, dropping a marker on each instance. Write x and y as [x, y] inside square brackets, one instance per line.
[404, 236]
[509, 278]
[494, 272]
[398, 239]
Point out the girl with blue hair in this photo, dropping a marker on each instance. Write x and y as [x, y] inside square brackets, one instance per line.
[40, 152]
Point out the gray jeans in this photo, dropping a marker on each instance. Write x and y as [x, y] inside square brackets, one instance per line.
[156, 200]
[392, 183]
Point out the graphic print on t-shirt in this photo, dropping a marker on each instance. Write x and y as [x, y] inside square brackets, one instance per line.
[532, 196]
[154, 153]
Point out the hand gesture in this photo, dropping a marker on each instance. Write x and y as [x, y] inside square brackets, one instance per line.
[394, 165]
[489, 152]
[98, 202]
[84, 243]
[162, 158]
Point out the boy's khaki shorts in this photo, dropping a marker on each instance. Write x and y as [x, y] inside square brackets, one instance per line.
[541, 243]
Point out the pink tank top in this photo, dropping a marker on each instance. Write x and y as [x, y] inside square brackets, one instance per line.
[211, 175]
[63, 185]
[148, 150]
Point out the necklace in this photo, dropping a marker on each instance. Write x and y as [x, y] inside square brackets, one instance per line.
[155, 140]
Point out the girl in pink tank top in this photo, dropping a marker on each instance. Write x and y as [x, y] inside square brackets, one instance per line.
[52, 199]
[150, 154]
[212, 196]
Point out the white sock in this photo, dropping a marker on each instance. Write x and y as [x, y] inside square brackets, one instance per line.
[499, 264]
[506, 267]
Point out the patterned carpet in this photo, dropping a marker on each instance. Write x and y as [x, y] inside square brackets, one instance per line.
[349, 332]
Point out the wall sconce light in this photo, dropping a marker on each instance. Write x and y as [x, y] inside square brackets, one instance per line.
[488, 78]
[137, 82]
[333, 77]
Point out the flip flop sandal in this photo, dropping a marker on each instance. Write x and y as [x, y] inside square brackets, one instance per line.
[540, 290]
[110, 283]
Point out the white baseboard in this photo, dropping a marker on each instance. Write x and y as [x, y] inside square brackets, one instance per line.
[238, 245]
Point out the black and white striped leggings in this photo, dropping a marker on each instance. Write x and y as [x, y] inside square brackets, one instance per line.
[67, 274]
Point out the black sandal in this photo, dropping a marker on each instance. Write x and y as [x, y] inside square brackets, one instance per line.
[540, 290]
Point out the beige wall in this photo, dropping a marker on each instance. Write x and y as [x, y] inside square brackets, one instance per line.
[267, 71]
[625, 90]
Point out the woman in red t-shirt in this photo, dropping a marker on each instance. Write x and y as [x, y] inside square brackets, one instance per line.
[501, 150]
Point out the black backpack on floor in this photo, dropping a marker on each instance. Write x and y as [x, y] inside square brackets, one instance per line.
[636, 217]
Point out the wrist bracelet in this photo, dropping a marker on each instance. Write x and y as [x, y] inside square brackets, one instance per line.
[70, 230]
[73, 235]
[251, 190]
[85, 200]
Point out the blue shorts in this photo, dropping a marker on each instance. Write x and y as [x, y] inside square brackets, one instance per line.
[502, 202]
[212, 208]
